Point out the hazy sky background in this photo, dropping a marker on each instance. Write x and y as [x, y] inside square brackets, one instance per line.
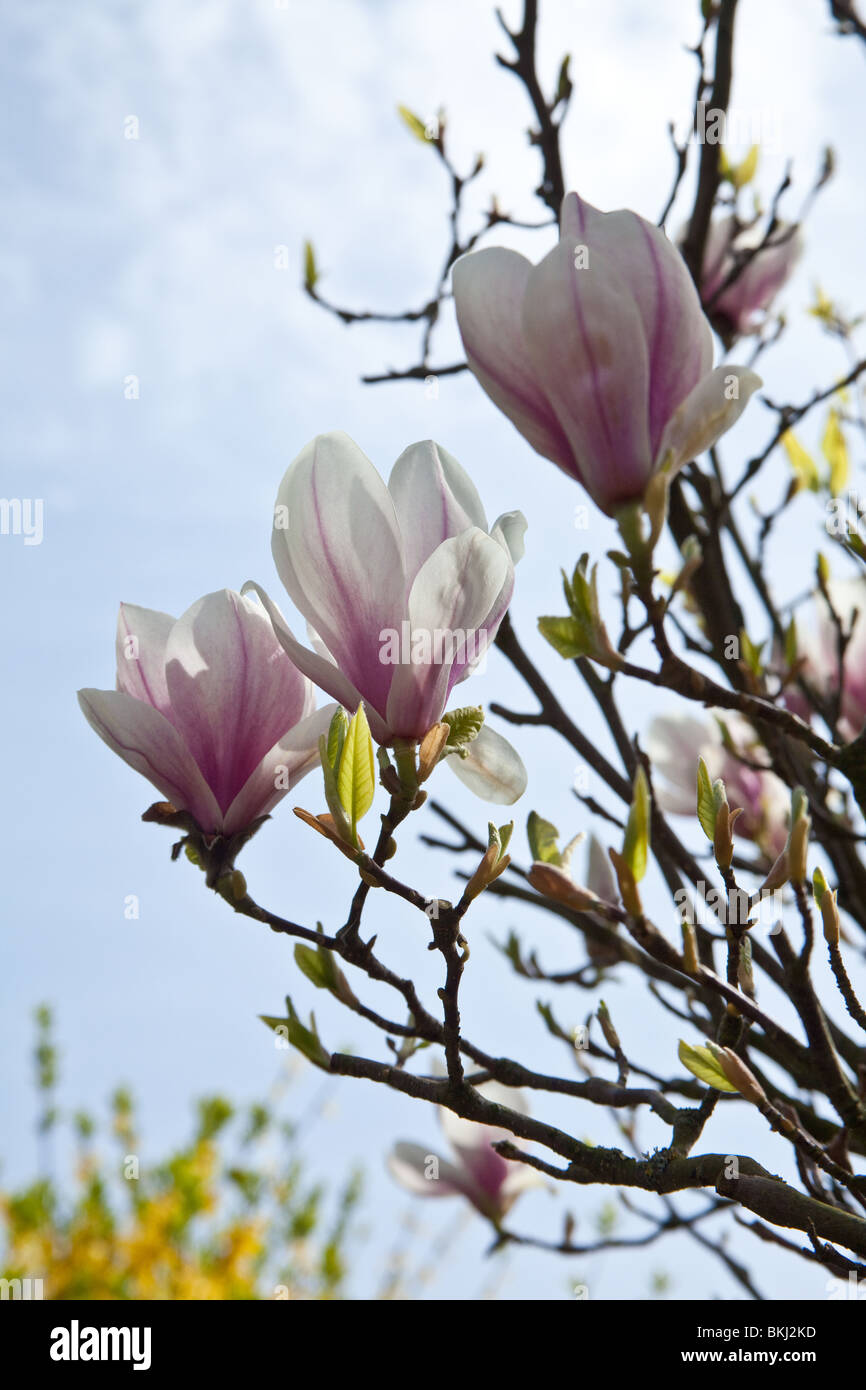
[260, 125]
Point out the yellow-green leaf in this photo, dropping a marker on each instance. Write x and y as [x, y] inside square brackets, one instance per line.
[637, 830]
[739, 174]
[413, 123]
[752, 653]
[464, 725]
[356, 782]
[565, 636]
[337, 736]
[804, 466]
[823, 309]
[543, 840]
[702, 1064]
[706, 801]
[835, 451]
[792, 647]
[311, 270]
[318, 966]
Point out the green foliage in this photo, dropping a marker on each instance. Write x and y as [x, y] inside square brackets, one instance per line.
[464, 725]
[701, 1062]
[637, 830]
[543, 840]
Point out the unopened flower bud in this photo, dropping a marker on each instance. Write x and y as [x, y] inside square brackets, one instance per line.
[739, 1075]
[723, 837]
[830, 918]
[432, 746]
[778, 875]
[555, 883]
[691, 961]
[798, 840]
[611, 1036]
[627, 885]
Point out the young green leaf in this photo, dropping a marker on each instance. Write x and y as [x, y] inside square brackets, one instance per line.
[413, 123]
[356, 781]
[804, 466]
[566, 637]
[637, 832]
[505, 833]
[791, 644]
[464, 725]
[306, 1040]
[702, 1064]
[706, 801]
[752, 653]
[311, 270]
[543, 840]
[332, 795]
[835, 451]
[339, 727]
[317, 965]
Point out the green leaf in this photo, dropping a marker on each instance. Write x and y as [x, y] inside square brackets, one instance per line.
[505, 833]
[332, 795]
[306, 1040]
[752, 653]
[317, 965]
[702, 1064]
[464, 725]
[739, 174]
[356, 780]
[804, 466]
[637, 831]
[566, 636]
[337, 736]
[543, 840]
[706, 802]
[564, 85]
[835, 451]
[791, 644]
[413, 123]
[311, 270]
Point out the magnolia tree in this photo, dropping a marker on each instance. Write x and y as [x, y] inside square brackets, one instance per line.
[623, 356]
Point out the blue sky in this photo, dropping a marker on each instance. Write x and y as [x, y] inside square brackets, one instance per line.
[154, 257]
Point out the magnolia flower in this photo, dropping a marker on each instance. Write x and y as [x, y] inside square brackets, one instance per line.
[402, 586]
[601, 354]
[675, 744]
[738, 308]
[209, 709]
[818, 650]
[491, 1183]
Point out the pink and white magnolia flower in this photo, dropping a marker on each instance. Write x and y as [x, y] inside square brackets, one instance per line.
[674, 744]
[209, 709]
[402, 586]
[818, 649]
[601, 355]
[738, 309]
[491, 1183]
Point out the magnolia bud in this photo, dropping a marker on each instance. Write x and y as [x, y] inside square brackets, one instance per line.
[691, 961]
[778, 875]
[740, 1076]
[723, 837]
[432, 746]
[611, 1036]
[627, 885]
[798, 849]
[554, 883]
[829, 916]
